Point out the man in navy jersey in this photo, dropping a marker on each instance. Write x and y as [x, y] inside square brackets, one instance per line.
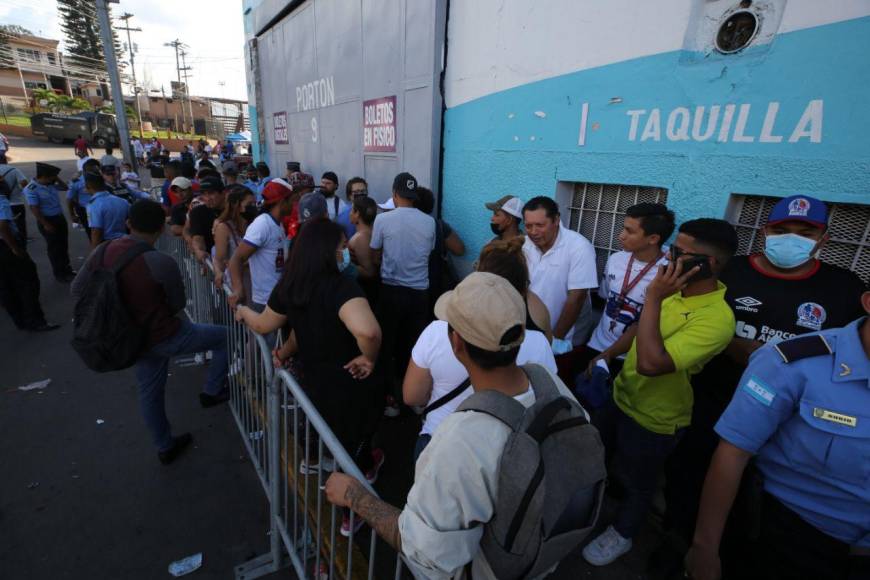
[782, 292]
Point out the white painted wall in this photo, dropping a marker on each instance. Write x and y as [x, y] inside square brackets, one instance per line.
[496, 45]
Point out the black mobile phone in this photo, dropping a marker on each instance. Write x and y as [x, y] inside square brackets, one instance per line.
[692, 260]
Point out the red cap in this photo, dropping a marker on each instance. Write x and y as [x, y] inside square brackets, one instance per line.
[275, 191]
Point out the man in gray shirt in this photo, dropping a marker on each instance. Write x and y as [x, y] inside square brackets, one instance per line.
[402, 240]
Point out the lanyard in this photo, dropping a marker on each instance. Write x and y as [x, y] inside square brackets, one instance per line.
[629, 286]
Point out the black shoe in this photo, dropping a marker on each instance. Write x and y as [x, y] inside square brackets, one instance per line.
[44, 327]
[179, 444]
[207, 400]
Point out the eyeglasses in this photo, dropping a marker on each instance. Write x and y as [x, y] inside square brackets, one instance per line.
[359, 192]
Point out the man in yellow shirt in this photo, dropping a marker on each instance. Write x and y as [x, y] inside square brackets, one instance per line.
[684, 323]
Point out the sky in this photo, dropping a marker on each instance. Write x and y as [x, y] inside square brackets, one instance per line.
[213, 31]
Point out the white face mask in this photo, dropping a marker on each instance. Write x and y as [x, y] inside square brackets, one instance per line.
[344, 262]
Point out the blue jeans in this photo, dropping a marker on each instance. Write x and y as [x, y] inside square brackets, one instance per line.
[638, 457]
[153, 366]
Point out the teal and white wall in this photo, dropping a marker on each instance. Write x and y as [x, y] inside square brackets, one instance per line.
[629, 92]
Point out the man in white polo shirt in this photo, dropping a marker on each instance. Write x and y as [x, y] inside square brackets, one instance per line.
[562, 271]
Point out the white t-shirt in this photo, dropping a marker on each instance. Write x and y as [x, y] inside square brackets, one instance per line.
[433, 352]
[455, 486]
[619, 313]
[568, 265]
[332, 204]
[267, 262]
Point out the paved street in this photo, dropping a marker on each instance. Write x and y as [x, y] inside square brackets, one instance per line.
[83, 495]
[82, 499]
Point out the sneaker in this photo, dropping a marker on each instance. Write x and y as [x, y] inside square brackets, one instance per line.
[326, 464]
[378, 458]
[345, 525]
[207, 400]
[179, 444]
[392, 407]
[606, 548]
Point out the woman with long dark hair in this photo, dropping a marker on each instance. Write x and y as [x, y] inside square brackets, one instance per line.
[335, 337]
[229, 229]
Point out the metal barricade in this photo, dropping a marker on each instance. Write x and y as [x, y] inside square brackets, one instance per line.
[307, 523]
[282, 429]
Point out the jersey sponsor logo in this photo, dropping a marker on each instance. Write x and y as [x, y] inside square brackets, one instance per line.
[799, 207]
[747, 303]
[811, 315]
[744, 330]
[759, 391]
[835, 417]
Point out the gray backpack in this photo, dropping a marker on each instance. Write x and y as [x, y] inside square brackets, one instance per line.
[550, 482]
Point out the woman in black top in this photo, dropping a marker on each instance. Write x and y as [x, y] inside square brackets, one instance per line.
[335, 336]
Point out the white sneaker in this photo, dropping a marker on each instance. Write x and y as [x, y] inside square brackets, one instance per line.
[606, 548]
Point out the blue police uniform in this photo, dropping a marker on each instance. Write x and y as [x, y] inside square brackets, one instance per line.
[44, 197]
[6, 214]
[19, 282]
[803, 407]
[109, 213]
[78, 193]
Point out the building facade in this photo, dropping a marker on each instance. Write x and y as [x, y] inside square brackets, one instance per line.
[716, 107]
[31, 62]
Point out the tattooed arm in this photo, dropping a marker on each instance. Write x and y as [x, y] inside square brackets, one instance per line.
[345, 491]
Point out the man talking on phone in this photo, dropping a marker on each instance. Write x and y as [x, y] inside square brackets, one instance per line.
[684, 323]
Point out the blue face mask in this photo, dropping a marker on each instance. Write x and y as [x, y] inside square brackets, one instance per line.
[788, 250]
[345, 260]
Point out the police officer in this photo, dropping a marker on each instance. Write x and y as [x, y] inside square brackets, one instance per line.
[77, 197]
[114, 186]
[107, 213]
[802, 408]
[19, 283]
[42, 197]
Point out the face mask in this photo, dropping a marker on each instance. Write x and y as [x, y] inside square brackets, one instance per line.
[250, 212]
[345, 260]
[495, 229]
[788, 250]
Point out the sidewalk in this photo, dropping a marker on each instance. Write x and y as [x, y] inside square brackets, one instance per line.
[81, 499]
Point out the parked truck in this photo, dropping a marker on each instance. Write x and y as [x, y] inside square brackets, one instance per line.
[98, 128]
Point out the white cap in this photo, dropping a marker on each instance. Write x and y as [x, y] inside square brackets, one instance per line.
[387, 205]
[509, 204]
[181, 183]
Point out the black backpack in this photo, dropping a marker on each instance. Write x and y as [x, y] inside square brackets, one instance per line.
[104, 334]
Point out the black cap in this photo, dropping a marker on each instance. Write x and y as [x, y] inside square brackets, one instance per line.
[94, 179]
[405, 185]
[294, 166]
[210, 183]
[46, 170]
[331, 176]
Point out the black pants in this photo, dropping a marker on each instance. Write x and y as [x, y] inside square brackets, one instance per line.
[82, 215]
[58, 245]
[403, 314]
[637, 456]
[19, 214]
[791, 549]
[19, 289]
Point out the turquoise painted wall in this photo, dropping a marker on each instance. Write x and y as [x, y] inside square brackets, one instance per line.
[524, 140]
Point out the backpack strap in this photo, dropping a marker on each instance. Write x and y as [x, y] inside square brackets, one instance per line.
[542, 381]
[130, 255]
[457, 390]
[498, 405]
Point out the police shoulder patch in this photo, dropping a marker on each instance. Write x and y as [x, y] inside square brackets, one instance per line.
[803, 347]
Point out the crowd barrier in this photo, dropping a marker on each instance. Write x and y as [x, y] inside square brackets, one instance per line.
[284, 436]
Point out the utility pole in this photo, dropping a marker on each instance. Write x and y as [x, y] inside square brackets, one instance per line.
[186, 68]
[177, 44]
[115, 80]
[126, 18]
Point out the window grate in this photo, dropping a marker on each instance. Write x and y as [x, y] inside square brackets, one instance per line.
[597, 211]
[848, 227]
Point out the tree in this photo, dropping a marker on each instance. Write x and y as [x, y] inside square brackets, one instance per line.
[82, 34]
[45, 98]
[15, 30]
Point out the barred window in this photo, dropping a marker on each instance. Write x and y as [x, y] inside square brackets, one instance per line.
[597, 211]
[848, 226]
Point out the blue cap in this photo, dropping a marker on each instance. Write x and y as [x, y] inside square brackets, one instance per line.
[799, 208]
[312, 206]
